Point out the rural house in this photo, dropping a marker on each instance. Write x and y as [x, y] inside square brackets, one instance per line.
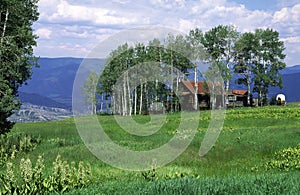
[236, 98]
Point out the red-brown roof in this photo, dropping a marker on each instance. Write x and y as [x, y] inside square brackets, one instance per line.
[239, 92]
[190, 85]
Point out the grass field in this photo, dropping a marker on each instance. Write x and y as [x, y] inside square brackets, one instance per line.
[236, 164]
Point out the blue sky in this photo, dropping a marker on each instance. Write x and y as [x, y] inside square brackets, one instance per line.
[72, 28]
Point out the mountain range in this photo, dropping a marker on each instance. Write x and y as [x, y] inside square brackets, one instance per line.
[52, 83]
[291, 83]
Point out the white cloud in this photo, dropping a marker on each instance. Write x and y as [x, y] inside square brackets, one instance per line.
[291, 39]
[44, 33]
[286, 3]
[61, 11]
[288, 15]
[186, 25]
[287, 21]
[204, 5]
[87, 22]
[168, 4]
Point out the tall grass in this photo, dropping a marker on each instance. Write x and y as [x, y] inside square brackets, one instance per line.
[241, 184]
[250, 138]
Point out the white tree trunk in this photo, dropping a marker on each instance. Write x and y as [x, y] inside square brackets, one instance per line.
[196, 88]
[102, 102]
[156, 90]
[172, 82]
[227, 81]
[177, 88]
[129, 96]
[146, 95]
[4, 26]
[141, 98]
[125, 111]
[135, 100]
[248, 87]
[3, 32]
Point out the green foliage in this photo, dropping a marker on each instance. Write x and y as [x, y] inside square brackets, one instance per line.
[271, 112]
[259, 55]
[89, 91]
[149, 175]
[12, 144]
[173, 52]
[257, 58]
[30, 182]
[16, 53]
[33, 180]
[233, 184]
[250, 137]
[67, 176]
[219, 44]
[286, 160]
[270, 60]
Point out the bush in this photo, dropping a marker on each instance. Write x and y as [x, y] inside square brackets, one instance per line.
[33, 180]
[286, 159]
[11, 144]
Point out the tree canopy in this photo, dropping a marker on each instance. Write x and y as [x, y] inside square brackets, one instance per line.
[16, 53]
[255, 57]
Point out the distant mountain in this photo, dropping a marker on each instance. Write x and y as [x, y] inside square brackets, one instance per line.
[36, 99]
[34, 113]
[54, 79]
[290, 70]
[290, 80]
[52, 83]
[291, 86]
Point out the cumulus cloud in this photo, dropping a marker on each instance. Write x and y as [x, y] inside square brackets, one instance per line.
[285, 3]
[61, 11]
[87, 22]
[287, 21]
[288, 15]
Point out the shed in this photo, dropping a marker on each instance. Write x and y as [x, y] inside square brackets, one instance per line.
[237, 98]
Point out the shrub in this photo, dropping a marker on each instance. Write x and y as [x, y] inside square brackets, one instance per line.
[33, 180]
[11, 144]
[286, 159]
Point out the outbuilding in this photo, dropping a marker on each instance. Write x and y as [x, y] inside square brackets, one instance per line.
[280, 98]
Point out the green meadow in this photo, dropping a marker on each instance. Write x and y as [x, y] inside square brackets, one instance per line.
[257, 152]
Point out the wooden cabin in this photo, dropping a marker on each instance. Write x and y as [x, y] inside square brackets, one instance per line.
[188, 95]
[236, 98]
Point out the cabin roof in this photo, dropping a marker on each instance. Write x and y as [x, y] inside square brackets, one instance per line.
[191, 84]
[239, 92]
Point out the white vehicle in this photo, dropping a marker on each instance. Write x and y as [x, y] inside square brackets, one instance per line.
[280, 98]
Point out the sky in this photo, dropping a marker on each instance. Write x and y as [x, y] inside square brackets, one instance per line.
[72, 28]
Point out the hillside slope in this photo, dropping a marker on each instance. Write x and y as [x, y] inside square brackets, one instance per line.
[54, 78]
